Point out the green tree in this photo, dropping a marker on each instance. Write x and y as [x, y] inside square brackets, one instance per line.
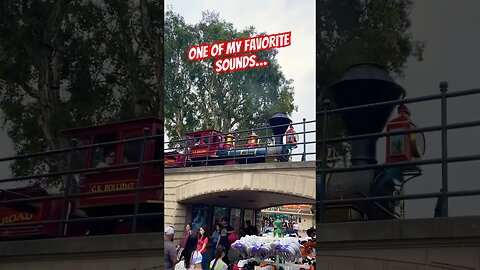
[137, 50]
[352, 31]
[75, 63]
[198, 98]
[179, 79]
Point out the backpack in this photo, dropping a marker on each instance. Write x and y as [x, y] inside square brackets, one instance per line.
[181, 265]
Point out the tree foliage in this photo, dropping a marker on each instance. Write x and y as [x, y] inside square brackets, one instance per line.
[198, 98]
[75, 63]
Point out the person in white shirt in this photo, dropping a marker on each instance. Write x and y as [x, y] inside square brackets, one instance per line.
[192, 257]
[296, 227]
[108, 159]
[218, 263]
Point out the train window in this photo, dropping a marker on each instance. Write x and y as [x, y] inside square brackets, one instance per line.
[80, 156]
[190, 140]
[198, 139]
[105, 155]
[132, 150]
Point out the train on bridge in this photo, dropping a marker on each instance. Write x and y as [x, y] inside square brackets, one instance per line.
[211, 147]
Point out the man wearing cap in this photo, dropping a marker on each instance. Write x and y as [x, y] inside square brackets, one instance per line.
[169, 249]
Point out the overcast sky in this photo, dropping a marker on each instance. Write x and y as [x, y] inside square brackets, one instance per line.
[273, 16]
[452, 54]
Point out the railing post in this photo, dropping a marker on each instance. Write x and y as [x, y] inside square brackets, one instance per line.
[268, 139]
[139, 179]
[235, 146]
[304, 141]
[208, 149]
[68, 188]
[185, 152]
[444, 200]
[321, 183]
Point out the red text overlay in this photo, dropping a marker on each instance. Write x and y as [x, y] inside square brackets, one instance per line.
[241, 51]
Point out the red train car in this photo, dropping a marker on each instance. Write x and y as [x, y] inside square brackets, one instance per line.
[30, 219]
[121, 182]
[210, 147]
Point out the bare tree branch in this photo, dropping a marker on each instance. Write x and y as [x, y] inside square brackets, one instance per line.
[29, 90]
[146, 23]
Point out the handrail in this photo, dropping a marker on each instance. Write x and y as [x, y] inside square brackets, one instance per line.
[325, 171]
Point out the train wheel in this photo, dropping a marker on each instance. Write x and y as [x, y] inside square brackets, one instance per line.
[231, 162]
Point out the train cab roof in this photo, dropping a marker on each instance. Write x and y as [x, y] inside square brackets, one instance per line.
[117, 153]
[115, 126]
[203, 132]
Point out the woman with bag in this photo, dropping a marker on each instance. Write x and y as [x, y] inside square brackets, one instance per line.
[202, 246]
[191, 257]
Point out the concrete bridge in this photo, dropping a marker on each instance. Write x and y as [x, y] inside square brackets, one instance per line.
[115, 252]
[253, 186]
[421, 244]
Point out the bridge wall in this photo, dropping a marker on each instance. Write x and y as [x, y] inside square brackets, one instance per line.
[119, 252]
[289, 178]
[424, 244]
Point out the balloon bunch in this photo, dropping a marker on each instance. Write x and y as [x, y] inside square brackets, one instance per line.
[288, 249]
[264, 247]
[253, 246]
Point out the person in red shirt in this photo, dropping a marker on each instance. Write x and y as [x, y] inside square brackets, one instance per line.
[202, 246]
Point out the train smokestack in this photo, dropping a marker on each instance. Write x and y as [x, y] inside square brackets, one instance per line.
[365, 84]
[279, 123]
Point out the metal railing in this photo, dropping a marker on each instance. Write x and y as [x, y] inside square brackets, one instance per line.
[323, 169]
[213, 149]
[72, 190]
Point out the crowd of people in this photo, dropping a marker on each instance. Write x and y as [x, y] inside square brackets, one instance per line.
[288, 226]
[193, 251]
[197, 250]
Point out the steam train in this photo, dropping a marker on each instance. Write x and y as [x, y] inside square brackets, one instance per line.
[210, 147]
[30, 212]
[367, 84]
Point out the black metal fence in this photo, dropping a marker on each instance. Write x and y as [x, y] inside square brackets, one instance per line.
[324, 170]
[71, 190]
[242, 149]
[65, 185]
